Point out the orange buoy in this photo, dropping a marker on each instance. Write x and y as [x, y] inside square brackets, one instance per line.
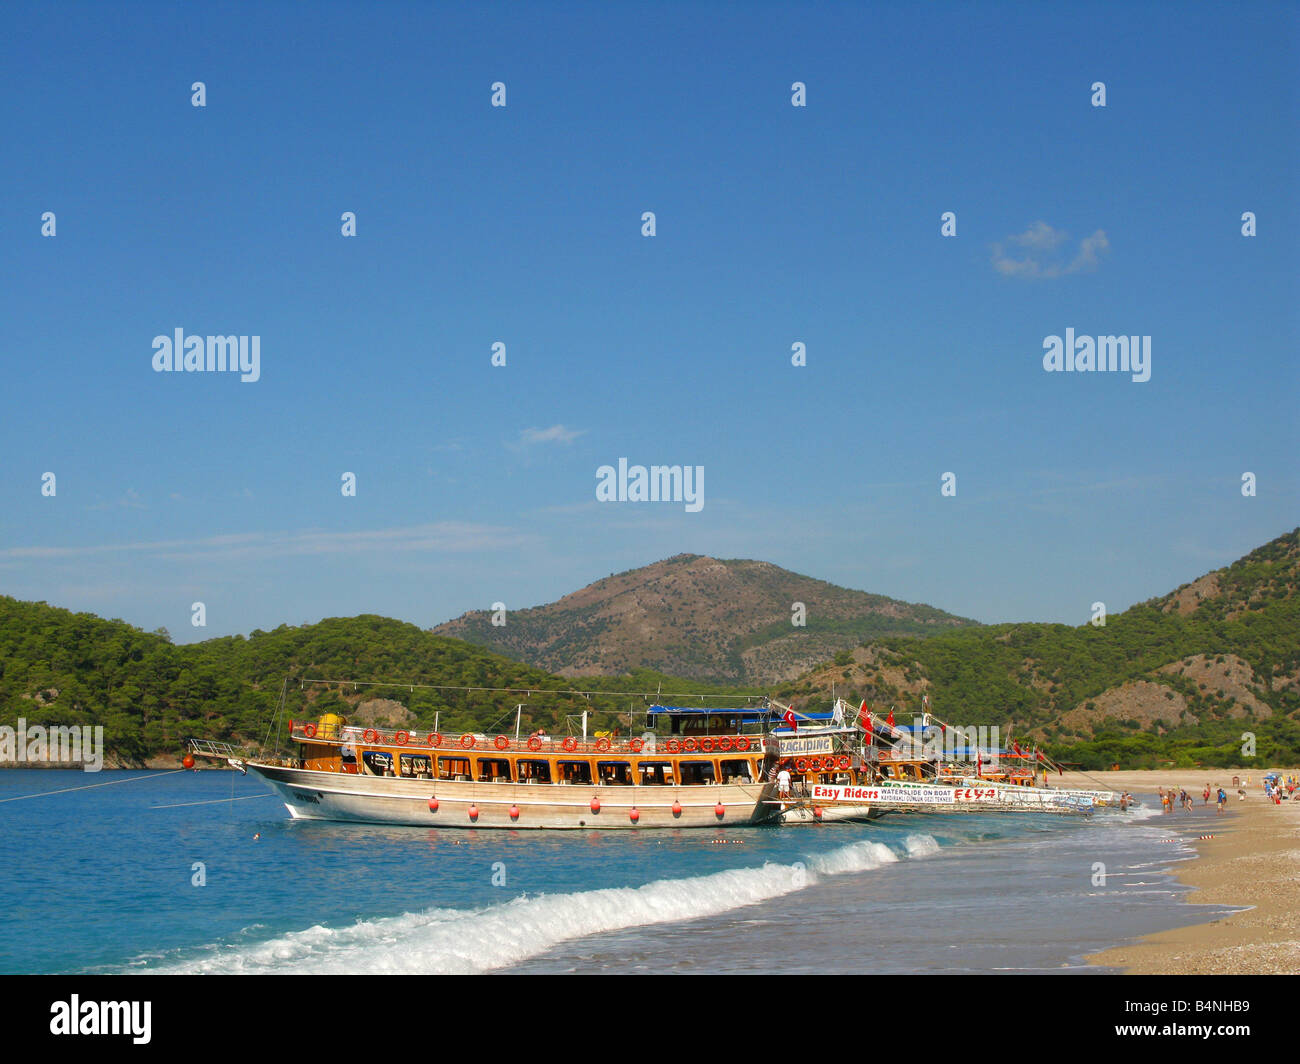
[636, 746]
[742, 744]
[187, 761]
[434, 739]
[467, 740]
[677, 808]
[473, 812]
[309, 730]
[534, 743]
[817, 811]
[514, 812]
[634, 815]
[595, 805]
[501, 742]
[433, 805]
[402, 738]
[719, 810]
[570, 744]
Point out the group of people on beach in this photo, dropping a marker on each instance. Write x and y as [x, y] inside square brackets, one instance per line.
[1170, 800]
[1275, 785]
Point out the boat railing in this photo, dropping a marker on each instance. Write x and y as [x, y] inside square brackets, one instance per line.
[479, 744]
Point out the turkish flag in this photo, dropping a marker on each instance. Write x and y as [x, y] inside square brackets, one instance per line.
[890, 719]
[789, 718]
[864, 716]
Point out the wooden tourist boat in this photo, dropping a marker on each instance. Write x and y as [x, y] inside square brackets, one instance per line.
[714, 768]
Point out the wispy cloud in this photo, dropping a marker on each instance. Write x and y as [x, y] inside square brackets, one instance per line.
[440, 537]
[1043, 252]
[555, 434]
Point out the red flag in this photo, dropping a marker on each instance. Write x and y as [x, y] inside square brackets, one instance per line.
[1017, 748]
[789, 718]
[979, 765]
[864, 716]
[890, 719]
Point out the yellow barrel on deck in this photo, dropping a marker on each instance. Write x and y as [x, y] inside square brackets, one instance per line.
[328, 726]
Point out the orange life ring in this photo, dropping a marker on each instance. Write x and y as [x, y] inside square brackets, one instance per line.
[309, 730]
[742, 744]
[602, 745]
[689, 746]
[636, 746]
[724, 744]
[534, 743]
[801, 764]
[672, 746]
[501, 742]
[844, 762]
[370, 736]
[706, 746]
[402, 738]
[570, 744]
[434, 739]
[467, 741]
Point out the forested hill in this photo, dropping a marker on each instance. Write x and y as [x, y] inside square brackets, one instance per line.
[58, 667]
[1180, 678]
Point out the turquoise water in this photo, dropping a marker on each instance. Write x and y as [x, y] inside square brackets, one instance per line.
[136, 877]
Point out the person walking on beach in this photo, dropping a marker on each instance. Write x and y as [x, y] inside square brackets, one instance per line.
[1205, 798]
[1223, 798]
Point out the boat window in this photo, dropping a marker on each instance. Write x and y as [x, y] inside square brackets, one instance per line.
[655, 772]
[534, 771]
[737, 769]
[415, 766]
[378, 763]
[453, 768]
[574, 771]
[614, 772]
[697, 772]
[493, 770]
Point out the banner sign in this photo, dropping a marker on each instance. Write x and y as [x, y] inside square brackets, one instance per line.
[794, 746]
[904, 795]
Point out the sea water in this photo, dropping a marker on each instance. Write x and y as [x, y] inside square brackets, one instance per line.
[205, 872]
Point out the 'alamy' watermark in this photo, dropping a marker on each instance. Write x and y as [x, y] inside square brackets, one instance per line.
[636, 483]
[211, 354]
[1084, 354]
[55, 745]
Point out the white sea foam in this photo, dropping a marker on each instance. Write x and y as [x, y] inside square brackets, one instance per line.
[469, 941]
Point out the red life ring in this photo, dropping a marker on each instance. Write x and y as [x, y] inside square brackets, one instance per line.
[434, 739]
[706, 746]
[534, 743]
[689, 746]
[501, 742]
[602, 745]
[801, 764]
[309, 730]
[844, 762]
[672, 746]
[402, 738]
[467, 741]
[570, 744]
[724, 744]
[370, 736]
[636, 746]
[742, 744]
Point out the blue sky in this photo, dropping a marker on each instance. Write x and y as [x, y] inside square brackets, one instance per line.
[775, 224]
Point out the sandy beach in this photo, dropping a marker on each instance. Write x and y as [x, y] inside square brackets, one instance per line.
[1252, 861]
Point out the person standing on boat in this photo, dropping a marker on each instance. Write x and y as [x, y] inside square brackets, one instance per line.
[783, 783]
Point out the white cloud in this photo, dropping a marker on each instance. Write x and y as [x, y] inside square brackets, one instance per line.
[1042, 252]
[555, 434]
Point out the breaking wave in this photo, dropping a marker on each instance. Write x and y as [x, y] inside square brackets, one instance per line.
[456, 941]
